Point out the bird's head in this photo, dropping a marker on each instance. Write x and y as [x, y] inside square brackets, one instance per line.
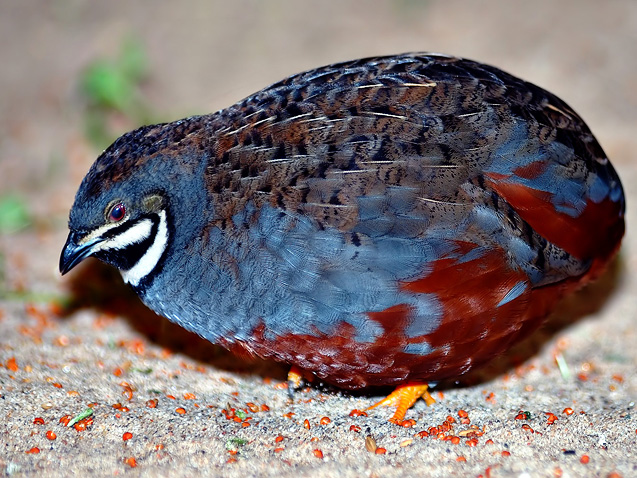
[121, 210]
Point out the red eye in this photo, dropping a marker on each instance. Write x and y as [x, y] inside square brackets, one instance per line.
[118, 211]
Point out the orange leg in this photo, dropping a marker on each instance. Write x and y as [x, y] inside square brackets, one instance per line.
[295, 377]
[403, 398]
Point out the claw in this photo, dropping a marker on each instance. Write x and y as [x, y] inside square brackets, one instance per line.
[403, 398]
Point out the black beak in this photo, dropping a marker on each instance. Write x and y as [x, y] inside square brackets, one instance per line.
[73, 254]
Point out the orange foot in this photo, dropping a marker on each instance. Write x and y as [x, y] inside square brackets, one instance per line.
[403, 398]
[296, 376]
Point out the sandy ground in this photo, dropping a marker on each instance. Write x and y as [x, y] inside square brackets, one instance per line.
[109, 350]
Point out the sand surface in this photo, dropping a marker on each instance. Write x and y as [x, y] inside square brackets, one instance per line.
[161, 397]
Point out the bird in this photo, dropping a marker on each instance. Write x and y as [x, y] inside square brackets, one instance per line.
[387, 221]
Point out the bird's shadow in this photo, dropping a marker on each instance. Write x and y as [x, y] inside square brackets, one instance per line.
[97, 286]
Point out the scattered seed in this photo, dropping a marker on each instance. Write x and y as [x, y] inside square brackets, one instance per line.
[38, 421]
[50, 435]
[127, 436]
[181, 411]
[325, 420]
[505, 453]
[357, 413]
[370, 444]
[11, 364]
[354, 428]
[461, 458]
[306, 423]
[318, 453]
[131, 461]
[152, 403]
[33, 450]
[567, 411]
[119, 407]
[585, 459]
[128, 390]
[83, 424]
[380, 451]
[279, 439]
[552, 418]
[189, 396]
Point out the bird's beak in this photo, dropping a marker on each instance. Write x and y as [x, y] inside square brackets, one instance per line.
[74, 253]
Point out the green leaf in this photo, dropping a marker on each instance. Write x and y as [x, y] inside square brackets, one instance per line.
[234, 443]
[13, 214]
[107, 87]
[85, 414]
[112, 89]
[145, 371]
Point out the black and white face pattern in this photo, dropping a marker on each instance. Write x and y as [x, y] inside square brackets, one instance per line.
[135, 246]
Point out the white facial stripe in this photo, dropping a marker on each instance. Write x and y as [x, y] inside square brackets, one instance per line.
[100, 231]
[151, 257]
[133, 235]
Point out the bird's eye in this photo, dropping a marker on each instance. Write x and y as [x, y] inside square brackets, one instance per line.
[118, 211]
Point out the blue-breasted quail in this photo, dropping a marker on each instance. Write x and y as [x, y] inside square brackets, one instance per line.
[390, 220]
